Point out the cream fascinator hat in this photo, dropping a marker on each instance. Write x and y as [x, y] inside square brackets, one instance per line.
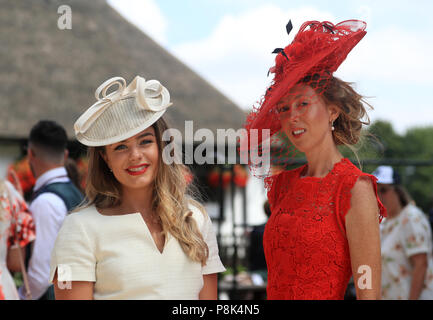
[122, 113]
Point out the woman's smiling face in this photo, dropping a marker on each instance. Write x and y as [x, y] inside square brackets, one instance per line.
[134, 161]
[305, 118]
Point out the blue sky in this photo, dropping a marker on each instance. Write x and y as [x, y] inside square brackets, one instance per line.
[194, 19]
[229, 43]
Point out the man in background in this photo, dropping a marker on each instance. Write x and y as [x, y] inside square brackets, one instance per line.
[54, 195]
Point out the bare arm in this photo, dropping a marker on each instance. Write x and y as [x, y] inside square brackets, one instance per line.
[419, 264]
[210, 287]
[13, 258]
[362, 230]
[79, 290]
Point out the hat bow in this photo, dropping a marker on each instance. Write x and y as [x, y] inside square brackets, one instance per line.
[150, 95]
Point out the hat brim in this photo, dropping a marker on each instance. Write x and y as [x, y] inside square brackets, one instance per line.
[279, 89]
[98, 143]
[309, 53]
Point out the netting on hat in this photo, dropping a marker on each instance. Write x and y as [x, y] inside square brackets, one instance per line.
[309, 61]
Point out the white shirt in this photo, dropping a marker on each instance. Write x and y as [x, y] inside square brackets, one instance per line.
[119, 254]
[48, 212]
[403, 236]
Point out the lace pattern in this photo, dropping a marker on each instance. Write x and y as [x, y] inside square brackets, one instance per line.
[306, 249]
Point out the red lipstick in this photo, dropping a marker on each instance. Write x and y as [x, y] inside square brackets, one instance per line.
[137, 170]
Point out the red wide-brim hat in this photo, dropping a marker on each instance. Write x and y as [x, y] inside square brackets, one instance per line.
[319, 48]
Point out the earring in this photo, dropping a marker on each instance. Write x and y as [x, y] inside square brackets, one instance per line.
[332, 126]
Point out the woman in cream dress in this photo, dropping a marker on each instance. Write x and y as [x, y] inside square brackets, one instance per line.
[139, 236]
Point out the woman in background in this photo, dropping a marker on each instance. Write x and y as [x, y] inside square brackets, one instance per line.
[406, 237]
[16, 231]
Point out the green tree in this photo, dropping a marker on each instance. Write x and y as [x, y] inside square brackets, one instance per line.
[380, 142]
[416, 144]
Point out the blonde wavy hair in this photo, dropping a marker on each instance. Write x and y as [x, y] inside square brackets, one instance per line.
[171, 196]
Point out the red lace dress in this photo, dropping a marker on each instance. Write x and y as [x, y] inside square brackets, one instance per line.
[307, 252]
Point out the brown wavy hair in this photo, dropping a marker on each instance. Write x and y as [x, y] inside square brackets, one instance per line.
[403, 195]
[351, 105]
[352, 109]
[171, 196]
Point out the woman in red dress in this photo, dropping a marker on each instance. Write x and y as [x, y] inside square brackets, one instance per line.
[324, 226]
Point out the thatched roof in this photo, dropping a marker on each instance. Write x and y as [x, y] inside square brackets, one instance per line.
[48, 73]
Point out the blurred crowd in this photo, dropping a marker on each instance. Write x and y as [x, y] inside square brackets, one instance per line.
[35, 198]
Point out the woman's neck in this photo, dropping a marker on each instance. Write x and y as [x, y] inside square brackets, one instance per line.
[322, 160]
[137, 200]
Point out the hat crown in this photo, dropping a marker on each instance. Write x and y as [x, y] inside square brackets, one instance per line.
[315, 53]
[123, 112]
[315, 40]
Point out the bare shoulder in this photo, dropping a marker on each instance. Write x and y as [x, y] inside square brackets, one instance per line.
[363, 199]
[363, 190]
